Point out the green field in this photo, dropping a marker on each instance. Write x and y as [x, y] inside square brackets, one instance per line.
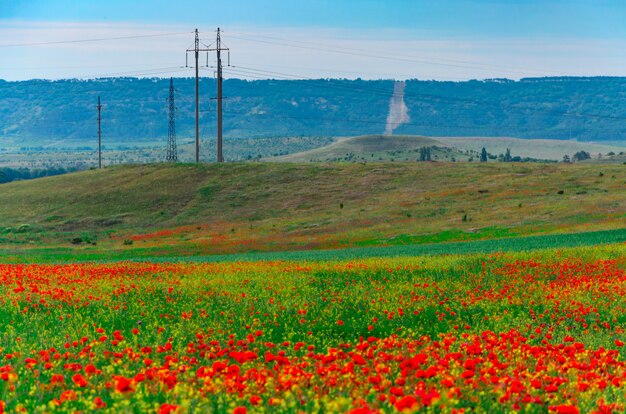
[534, 332]
[60, 254]
[199, 210]
[315, 287]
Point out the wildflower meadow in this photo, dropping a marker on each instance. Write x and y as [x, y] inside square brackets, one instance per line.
[528, 332]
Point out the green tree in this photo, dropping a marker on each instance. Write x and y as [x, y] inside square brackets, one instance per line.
[483, 155]
[581, 156]
[507, 156]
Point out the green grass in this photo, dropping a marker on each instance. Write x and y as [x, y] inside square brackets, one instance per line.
[512, 244]
[209, 209]
[546, 315]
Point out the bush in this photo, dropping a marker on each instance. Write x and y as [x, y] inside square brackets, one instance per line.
[23, 228]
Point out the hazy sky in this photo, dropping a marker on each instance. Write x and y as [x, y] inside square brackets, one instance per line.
[435, 39]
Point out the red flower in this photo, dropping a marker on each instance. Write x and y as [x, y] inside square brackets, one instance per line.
[467, 374]
[361, 410]
[68, 395]
[397, 391]
[406, 403]
[91, 369]
[358, 359]
[99, 403]
[57, 379]
[240, 410]
[167, 408]
[565, 409]
[124, 385]
[79, 380]
[255, 400]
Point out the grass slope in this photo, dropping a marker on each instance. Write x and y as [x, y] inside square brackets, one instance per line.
[250, 207]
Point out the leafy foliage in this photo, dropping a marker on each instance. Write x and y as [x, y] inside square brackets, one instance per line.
[13, 174]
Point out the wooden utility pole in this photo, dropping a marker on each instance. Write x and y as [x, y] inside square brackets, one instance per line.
[218, 48]
[99, 136]
[197, 51]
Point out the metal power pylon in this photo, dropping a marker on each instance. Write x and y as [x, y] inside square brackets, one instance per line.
[196, 49]
[99, 136]
[172, 155]
[218, 48]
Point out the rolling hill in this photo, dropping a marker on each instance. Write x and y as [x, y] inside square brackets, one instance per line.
[377, 148]
[188, 209]
[406, 148]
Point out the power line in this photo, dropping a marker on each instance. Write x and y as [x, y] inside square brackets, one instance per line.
[137, 73]
[101, 39]
[132, 73]
[352, 72]
[394, 57]
[324, 47]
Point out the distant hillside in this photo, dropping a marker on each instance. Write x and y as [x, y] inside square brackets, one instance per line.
[370, 148]
[241, 207]
[618, 158]
[62, 113]
[544, 149]
[378, 148]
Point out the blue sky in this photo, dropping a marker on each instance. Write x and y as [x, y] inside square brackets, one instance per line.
[565, 18]
[512, 38]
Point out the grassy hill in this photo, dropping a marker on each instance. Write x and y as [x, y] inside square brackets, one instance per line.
[245, 207]
[378, 148]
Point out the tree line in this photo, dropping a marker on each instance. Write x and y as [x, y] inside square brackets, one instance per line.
[8, 175]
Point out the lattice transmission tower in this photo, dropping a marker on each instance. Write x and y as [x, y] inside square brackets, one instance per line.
[172, 155]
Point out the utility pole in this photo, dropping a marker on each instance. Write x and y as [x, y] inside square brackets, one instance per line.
[218, 48]
[197, 51]
[172, 155]
[99, 136]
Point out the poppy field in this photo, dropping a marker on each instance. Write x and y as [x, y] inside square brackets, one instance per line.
[528, 332]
